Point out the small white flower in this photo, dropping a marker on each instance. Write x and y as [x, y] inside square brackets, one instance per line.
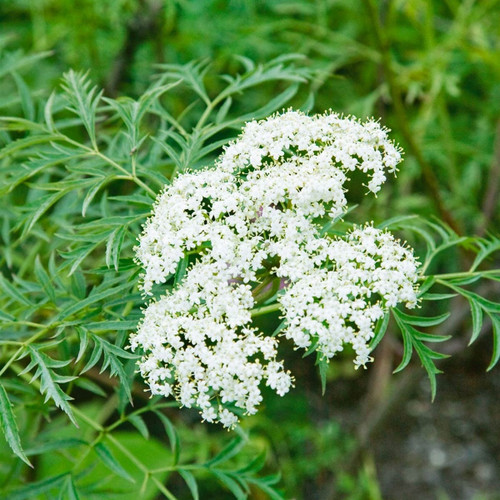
[256, 215]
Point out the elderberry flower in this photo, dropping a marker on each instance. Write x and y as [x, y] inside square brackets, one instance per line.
[253, 220]
[340, 301]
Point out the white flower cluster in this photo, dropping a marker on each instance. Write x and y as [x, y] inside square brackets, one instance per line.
[340, 301]
[255, 218]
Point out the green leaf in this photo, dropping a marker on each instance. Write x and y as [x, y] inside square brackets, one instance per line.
[495, 320]
[25, 94]
[111, 354]
[95, 188]
[106, 326]
[191, 483]
[223, 110]
[426, 285]
[254, 465]
[44, 280]
[229, 451]
[487, 305]
[438, 296]
[38, 488]
[230, 484]
[9, 426]
[47, 113]
[69, 491]
[38, 207]
[423, 321]
[486, 248]
[138, 422]
[26, 142]
[181, 270]
[395, 222]
[322, 363]
[90, 300]
[380, 329]
[173, 437]
[12, 292]
[407, 349]
[90, 386]
[107, 458]
[413, 339]
[50, 380]
[477, 319]
[55, 445]
[83, 100]
[114, 245]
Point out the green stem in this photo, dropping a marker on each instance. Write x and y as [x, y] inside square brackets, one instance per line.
[109, 161]
[260, 311]
[25, 344]
[451, 276]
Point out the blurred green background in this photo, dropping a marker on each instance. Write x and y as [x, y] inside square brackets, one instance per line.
[430, 70]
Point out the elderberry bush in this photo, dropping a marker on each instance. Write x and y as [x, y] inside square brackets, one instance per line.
[141, 243]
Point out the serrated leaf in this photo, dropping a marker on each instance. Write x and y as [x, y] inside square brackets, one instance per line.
[108, 459]
[83, 99]
[229, 451]
[486, 248]
[488, 305]
[90, 300]
[407, 350]
[54, 445]
[39, 207]
[413, 339]
[173, 437]
[477, 319]
[37, 488]
[12, 292]
[50, 380]
[89, 385]
[84, 340]
[25, 94]
[468, 280]
[94, 189]
[191, 483]
[6, 317]
[421, 320]
[114, 245]
[9, 426]
[44, 280]
[110, 354]
[138, 422]
[495, 320]
[426, 285]
[69, 491]
[223, 110]
[438, 296]
[26, 142]
[255, 465]
[104, 326]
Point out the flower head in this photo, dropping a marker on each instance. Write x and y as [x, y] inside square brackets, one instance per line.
[256, 217]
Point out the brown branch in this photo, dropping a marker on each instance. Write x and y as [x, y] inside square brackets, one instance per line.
[143, 26]
[430, 180]
[491, 196]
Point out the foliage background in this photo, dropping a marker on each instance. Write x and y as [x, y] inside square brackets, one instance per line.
[429, 69]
